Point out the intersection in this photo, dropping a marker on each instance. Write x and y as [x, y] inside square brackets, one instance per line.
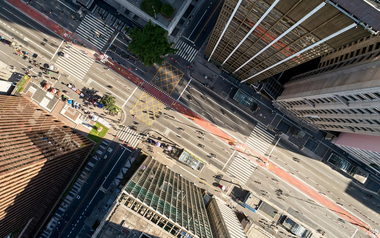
[198, 108]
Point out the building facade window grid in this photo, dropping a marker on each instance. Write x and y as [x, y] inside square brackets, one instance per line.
[188, 211]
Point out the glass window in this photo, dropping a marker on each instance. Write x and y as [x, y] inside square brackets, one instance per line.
[370, 96]
[361, 96]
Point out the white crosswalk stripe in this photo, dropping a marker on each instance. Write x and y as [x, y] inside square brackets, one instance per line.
[185, 51]
[77, 64]
[95, 31]
[241, 168]
[260, 139]
[129, 136]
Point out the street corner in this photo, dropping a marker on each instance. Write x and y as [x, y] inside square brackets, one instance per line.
[167, 78]
[147, 109]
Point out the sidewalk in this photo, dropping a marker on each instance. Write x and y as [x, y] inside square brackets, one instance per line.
[193, 116]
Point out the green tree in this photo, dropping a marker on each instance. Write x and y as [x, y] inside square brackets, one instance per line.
[150, 44]
[108, 102]
[148, 6]
[167, 10]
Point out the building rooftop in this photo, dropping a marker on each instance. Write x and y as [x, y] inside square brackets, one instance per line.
[164, 202]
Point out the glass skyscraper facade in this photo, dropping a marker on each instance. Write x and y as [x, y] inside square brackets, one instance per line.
[165, 197]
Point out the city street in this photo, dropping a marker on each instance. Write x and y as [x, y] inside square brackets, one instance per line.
[93, 191]
[301, 177]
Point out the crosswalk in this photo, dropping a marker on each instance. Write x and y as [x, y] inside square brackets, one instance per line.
[76, 64]
[95, 31]
[241, 168]
[185, 51]
[129, 136]
[260, 139]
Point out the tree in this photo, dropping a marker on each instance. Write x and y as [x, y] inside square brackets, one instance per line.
[148, 6]
[108, 102]
[167, 10]
[150, 44]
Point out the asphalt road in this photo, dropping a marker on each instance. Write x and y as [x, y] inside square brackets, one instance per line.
[103, 172]
[203, 22]
[232, 120]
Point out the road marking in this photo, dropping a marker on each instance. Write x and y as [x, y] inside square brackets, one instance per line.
[31, 19]
[216, 118]
[66, 6]
[184, 89]
[208, 20]
[222, 107]
[198, 147]
[198, 23]
[93, 81]
[322, 221]
[57, 50]
[29, 33]
[130, 96]
[13, 59]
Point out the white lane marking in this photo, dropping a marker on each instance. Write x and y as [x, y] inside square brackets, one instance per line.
[307, 196]
[195, 124]
[197, 23]
[305, 168]
[32, 19]
[125, 93]
[198, 146]
[212, 109]
[26, 39]
[66, 6]
[93, 81]
[223, 107]
[216, 118]
[13, 59]
[121, 42]
[339, 232]
[24, 22]
[56, 50]
[130, 96]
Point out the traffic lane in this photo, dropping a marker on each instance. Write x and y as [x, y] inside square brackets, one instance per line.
[87, 195]
[206, 30]
[93, 176]
[120, 164]
[202, 146]
[107, 89]
[137, 68]
[24, 43]
[8, 56]
[230, 129]
[30, 28]
[78, 220]
[105, 74]
[308, 172]
[229, 107]
[59, 12]
[218, 110]
[200, 18]
[301, 162]
[183, 123]
[263, 181]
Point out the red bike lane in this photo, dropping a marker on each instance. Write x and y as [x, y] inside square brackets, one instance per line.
[161, 96]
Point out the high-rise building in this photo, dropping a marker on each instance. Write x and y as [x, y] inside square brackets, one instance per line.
[364, 148]
[343, 94]
[256, 39]
[39, 156]
[167, 199]
[224, 222]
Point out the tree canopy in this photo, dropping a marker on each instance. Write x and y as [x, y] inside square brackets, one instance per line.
[148, 6]
[150, 44]
[167, 10]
